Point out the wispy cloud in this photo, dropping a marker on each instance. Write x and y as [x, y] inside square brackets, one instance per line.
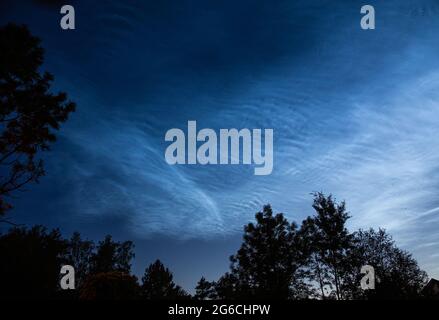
[355, 113]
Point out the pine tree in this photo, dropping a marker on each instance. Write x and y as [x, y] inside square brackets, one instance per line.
[157, 283]
[269, 262]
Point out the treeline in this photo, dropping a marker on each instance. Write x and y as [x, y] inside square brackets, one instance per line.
[320, 259]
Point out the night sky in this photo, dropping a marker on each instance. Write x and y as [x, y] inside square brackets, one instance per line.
[355, 113]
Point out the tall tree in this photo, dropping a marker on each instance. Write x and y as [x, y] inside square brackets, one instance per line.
[112, 256]
[330, 243]
[157, 283]
[269, 262]
[29, 112]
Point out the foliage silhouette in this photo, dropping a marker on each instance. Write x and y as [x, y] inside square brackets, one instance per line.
[399, 276]
[112, 256]
[29, 112]
[30, 263]
[227, 288]
[328, 243]
[80, 254]
[32, 259]
[322, 261]
[276, 260]
[205, 290]
[157, 283]
[269, 262]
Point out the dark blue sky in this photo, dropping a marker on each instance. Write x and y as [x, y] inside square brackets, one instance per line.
[354, 113]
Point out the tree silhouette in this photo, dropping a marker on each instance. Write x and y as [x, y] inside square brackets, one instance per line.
[329, 242]
[204, 290]
[79, 255]
[157, 283]
[112, 256]
[30, 263]
[275, 261]
[29, 112]
[318, 272]
[269, 262]
[398, 275]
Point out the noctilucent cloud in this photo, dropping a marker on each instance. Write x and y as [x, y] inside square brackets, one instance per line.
[355, 113]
